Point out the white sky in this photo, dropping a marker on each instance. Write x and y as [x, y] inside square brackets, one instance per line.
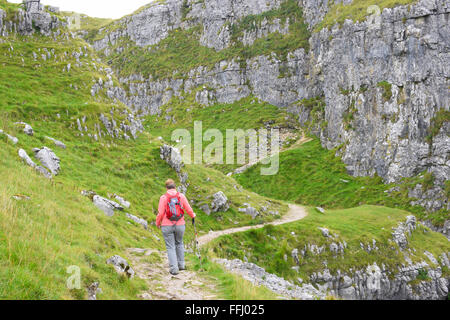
[97, 8]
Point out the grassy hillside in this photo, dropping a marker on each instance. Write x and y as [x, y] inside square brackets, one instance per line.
[248, 113]
[268, 246]
[57, 227]
[314, 176]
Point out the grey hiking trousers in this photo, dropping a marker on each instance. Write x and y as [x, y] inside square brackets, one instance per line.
[173, 236]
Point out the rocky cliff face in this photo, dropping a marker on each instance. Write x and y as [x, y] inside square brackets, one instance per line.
[29, 22]
[384, 81]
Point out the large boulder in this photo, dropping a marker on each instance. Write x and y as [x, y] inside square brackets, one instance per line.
[24, 156]
[249, 210]
[107, 206]
[172, 156]
[48, 159]
[220, 202]
[121, 266]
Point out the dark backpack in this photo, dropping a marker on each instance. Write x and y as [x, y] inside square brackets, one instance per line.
[174, 209]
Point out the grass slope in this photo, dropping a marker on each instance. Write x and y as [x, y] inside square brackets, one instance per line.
[267, 247]
[312, 175]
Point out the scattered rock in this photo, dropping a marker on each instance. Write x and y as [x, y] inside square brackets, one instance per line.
[23, 155]
[122, 201]
[107, 206]
[294, 255]
[89, 194]
[27, 129]
[140, 221]
[121, 266]
[48, 159]
[401, 233]
[321, 210]
[206, 209]
[21, 198]
[57, 143]
[220, 202]
[14, 140]
[325, 232]
[93, 290]
[249, 211]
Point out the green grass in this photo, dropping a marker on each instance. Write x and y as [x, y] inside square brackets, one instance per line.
[247, 113]
[312, 175]
[357, 11]
[181, 51]
[387, 93]
[56, 229]
[267, 247]
[230, 286]
[36, 89]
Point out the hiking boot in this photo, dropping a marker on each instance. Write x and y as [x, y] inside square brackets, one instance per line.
[174, 273]
[183, 269]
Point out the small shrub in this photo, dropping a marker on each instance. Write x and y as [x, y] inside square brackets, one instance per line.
[423, 275]
[387, 95]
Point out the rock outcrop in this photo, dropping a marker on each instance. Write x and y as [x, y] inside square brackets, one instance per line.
[24, 156]
[28, 22]
[220, 202]
[48, 159]
[382, 283]
[121, 266]
[173, 158]
[106, 205]
[259, 276]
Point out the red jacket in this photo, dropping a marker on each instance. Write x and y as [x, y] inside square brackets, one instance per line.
[161, 219]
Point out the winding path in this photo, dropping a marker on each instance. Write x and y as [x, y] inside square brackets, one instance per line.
[152, 265]
[295, 213]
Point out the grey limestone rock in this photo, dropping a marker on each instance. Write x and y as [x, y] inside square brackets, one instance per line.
[220, 202]
[48, 159]
[121, 266]
[138, 220]
[173, 157]
[107, 206]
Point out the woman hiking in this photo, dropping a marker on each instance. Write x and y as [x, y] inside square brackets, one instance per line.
[172, 207]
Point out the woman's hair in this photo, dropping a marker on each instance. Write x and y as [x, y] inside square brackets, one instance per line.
[170, 184]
